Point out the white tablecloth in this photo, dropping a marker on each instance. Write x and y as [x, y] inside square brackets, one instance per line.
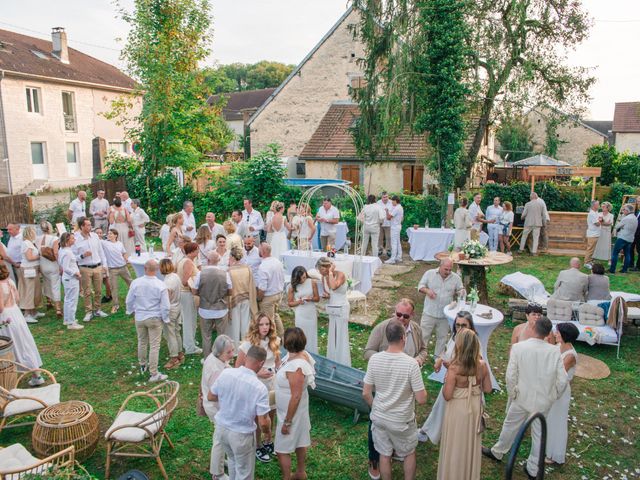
[484, 328]
[341, 235]
[425, 243]
[292, 258]
[137, 262]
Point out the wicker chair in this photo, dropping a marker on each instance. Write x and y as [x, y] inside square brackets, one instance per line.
[17, 399]
[16, 462]
[140, 432]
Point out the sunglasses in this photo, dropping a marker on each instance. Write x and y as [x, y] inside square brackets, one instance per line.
[406, 316]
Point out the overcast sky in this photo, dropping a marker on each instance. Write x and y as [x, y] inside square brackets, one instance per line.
[285, 30]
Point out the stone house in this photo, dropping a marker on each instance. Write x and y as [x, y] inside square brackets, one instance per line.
[52, 100]
[626, 127]
[575, 136]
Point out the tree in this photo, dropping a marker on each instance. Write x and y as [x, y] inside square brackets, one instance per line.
[516, 52]
[167, 40]
[606, 157]
[237, 77]
[552, 137]
[515, 138]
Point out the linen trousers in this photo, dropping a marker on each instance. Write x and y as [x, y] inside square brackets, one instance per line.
[189, 322]
[370, 234]
[149, 336]
[327, 240]
[216, 461]
[516, 416]
[172, 333]
[493, 229]
[102, 223]
[138, 238]
[91, 278]
[591, 247]
[29, 290]
[71, 293]
[207, 326]
[114, 274]
[535, 234]
[384, 240]
[269, 306]
[240, 318]
[430, 323]
[241, 452]
[544, 237]
[396, 245]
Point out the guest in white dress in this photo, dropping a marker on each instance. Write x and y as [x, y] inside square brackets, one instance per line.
[16, 328]
[334, 283]
[268, 218]
[50, 269]
[262, 333]
[603, 247]
[506, 225]
[432, 428]
[70, 280]
[278, 227]
[29, 277]
[307, 229]
[462, 224]
[302, 297]
[176, 231]
[558, 416]
[205, 244]
[164, 232]
[293, 433]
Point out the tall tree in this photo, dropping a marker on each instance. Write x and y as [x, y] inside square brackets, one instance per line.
[167, 40]
[514, 138]
[237, 77]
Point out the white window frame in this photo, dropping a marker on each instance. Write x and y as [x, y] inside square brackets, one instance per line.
[29, 96]
[76, 148]
[127, 146]
[73, 114]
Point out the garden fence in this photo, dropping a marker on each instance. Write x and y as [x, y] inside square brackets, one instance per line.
[15, 209]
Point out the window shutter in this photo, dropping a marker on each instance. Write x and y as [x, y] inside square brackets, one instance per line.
[418, 176]
[406, 178]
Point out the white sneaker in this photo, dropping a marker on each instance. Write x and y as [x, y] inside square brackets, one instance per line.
[30, 319]
[224, 476]
[391, 261]
[100, 313]
[74, 326]
[158, 377]
[39, 315]
[36, 381]
[88, 317]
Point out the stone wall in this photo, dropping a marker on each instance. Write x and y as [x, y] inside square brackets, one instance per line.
[628, 142]
[376, 178]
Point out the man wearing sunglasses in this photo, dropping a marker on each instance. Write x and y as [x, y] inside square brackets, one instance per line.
[253, 220]
[414, 347]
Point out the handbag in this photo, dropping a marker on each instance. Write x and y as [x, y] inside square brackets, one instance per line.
[131, 233]
[47, 252]
[29, 272]
[482, 419]
[200, 406]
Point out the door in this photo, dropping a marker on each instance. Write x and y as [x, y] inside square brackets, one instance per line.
[351, 173]
[39, 161]
[412, 178]
[73, 165]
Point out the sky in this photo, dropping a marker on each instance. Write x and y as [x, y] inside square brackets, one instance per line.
[248, 31]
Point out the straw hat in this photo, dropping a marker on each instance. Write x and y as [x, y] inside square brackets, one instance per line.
[591, 368]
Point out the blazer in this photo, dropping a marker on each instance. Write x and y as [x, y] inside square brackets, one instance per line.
[572, 285]
[378, 341]
[534, 214]
[535, 375]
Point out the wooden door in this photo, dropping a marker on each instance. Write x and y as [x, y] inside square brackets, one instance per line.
[351, 173]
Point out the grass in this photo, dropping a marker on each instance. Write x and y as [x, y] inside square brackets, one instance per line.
[98, 365]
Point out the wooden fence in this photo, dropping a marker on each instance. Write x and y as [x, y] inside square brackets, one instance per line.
[15, 209]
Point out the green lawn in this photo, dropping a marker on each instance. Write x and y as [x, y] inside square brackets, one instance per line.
[98, 365]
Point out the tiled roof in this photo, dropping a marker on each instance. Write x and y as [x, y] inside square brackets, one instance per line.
[626, 118]
[237, 102]
[32, 56]
[603, 126]
[333, 140]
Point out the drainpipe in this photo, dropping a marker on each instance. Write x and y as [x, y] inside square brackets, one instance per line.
[3, 133]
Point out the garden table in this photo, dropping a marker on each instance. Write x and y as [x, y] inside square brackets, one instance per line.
[426, 243]
[137, 262]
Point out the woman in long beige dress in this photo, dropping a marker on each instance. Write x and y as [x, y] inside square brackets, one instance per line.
[50, 269]
[29, 290]
[120, 220]
[603, 247]
[187, 272]
[462, 224]
[243, 305]
[461, 443]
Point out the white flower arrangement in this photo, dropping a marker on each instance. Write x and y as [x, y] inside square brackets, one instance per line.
[474, 249]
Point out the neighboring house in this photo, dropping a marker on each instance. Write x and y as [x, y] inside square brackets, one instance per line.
[626, 127]
[575, 136]
[314, 100]
[239, 108]
[603, 126]
[52, 98]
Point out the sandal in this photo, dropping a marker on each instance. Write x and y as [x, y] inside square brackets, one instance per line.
[173, 362]
[181, 357]
[115, 309]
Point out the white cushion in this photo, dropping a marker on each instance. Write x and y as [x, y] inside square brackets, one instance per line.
[559, 310]
[134, 434]
[633, 313]
[16, 457]
[591, 315]
[49, 394]
[604, 334]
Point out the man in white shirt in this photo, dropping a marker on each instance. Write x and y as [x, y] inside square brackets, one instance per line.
[475, 212]
[14, 250]
[252, 256]
[371, 216]
[494, 212]
[77, 208]
[397, 381]
[593, 232]
[535, 379]
[99, 210]
[126, 201]
[395, 215]
[270, 286]
[440, 286]
[189, 226]
[253, 220]
[215, 228]
[384, 243]
[148, 301]
[93, 266]
[241, 398]
[328, 217]
[213, 285]
[139, 220]
[242, 229]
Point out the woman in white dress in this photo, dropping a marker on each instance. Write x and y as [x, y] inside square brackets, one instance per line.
[506, 225]
[70, 280]
[176, 231]
[164, 232]
[120, 219]
[267, 220]
[187, 271]
[334, 284]
[205, 244]
[293, 431]
[307, 229]
[603, 247]
[462, 224]
[243, 300]
[432, 428]
[16, 328]
[29, 289]
[50, 269]
[262, 332]
[278, 229]
[302, 297]
[558, 416]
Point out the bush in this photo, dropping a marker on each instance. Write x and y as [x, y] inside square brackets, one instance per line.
[619, 190]
[557, 198]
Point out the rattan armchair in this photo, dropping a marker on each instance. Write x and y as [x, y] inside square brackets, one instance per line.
[16, 462]
[140, 432]
[17, 399]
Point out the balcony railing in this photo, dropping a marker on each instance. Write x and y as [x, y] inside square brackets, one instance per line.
[70, 123]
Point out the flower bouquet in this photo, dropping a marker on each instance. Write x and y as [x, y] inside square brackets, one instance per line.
[474, 249]
[472, 298]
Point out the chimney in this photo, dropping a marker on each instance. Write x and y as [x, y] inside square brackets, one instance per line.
[59, 40]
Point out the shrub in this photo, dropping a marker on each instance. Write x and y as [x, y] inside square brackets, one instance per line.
[619, 190]
[557, 198]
